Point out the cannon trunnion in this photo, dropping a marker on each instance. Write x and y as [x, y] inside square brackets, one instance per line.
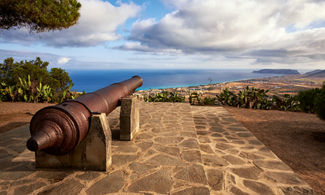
[59, 129]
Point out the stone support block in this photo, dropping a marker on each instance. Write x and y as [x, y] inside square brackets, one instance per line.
[129, 118]
[93, 153]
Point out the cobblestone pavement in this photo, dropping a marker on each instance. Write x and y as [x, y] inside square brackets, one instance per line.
[179, 150]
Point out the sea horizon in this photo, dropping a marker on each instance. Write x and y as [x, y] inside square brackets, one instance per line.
[91, 80]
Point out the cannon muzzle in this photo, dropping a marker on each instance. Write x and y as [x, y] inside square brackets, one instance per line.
[59, 129]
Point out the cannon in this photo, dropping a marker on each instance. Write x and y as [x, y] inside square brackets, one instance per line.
[58, 129]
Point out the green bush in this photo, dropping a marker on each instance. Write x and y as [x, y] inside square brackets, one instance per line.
[195, 98]
[165, 96]
[320, 103]
[30, 81]
[286, 103]
[209, 101]
[227, 97]
[307, 100]
[246, 98]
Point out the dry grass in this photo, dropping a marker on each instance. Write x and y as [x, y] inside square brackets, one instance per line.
[16, 114]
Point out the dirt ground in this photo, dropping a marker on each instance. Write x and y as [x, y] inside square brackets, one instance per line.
[16, 114]
[296, 138]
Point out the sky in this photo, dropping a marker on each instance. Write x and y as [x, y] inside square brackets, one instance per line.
[180, 34]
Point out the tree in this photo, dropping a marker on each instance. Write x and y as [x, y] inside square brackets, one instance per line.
[39, 15]
[60, 79]
[35, 71]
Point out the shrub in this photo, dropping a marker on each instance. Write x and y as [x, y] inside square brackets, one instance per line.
[30, 81]
[209, 101]
[307, 99]
[246, 98]
[165, 96]
[227, 97]
[194, 98]
[320, 103]
[286, 103]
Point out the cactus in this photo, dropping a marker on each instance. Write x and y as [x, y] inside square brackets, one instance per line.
[227, 97]
[165, 96]
[44, 93]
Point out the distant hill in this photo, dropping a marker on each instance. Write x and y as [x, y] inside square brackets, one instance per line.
[315, 73]
[277, 71]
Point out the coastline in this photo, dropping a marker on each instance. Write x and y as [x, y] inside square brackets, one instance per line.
[277, 85]
[92, 80]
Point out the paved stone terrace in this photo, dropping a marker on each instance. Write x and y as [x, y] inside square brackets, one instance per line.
[180, 149]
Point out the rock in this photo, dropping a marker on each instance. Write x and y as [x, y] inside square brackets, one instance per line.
[26, 189]
[193, 191]
[174, 151]
[233, 160]
[53, 176]
[191, 156]
[258, 187]
[140, 168]
[206, 148]
[190, 143]
[215, 179]
[213, 160]
[164, 160]
[193, 173]
[144, 145]
[284, 178]
[271, 164]
[237, 191]
[109, 184]
[121, 159]
[89, 175]
[297, 191]
[159, 182]
[70, 186]
[247, 172]
[168, 140]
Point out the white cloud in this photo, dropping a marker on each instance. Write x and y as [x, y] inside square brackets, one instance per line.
[98, 23]
[237, 28]
[63, 60]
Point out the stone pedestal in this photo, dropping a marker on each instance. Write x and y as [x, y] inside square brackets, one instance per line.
[93, 153]
[129, 118]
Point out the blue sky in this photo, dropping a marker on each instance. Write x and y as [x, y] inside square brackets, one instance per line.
[183, 34]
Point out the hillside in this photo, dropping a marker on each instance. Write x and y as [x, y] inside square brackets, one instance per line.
[315, 74]
[277, 71]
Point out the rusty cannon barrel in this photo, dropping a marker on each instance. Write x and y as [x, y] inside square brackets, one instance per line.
[59, 129]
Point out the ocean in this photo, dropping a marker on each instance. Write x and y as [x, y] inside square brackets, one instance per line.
[91, 80]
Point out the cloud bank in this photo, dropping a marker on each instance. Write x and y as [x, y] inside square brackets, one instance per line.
[279, 31]
[98, 23]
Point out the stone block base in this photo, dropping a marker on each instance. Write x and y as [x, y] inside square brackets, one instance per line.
[129, 118]
[93, 153]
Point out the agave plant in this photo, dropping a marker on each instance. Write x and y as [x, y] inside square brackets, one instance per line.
[3, 94]
[286, 103]
[25, 92]
[227, 97]
[44, 93]
[174, 97]
[66, 94]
